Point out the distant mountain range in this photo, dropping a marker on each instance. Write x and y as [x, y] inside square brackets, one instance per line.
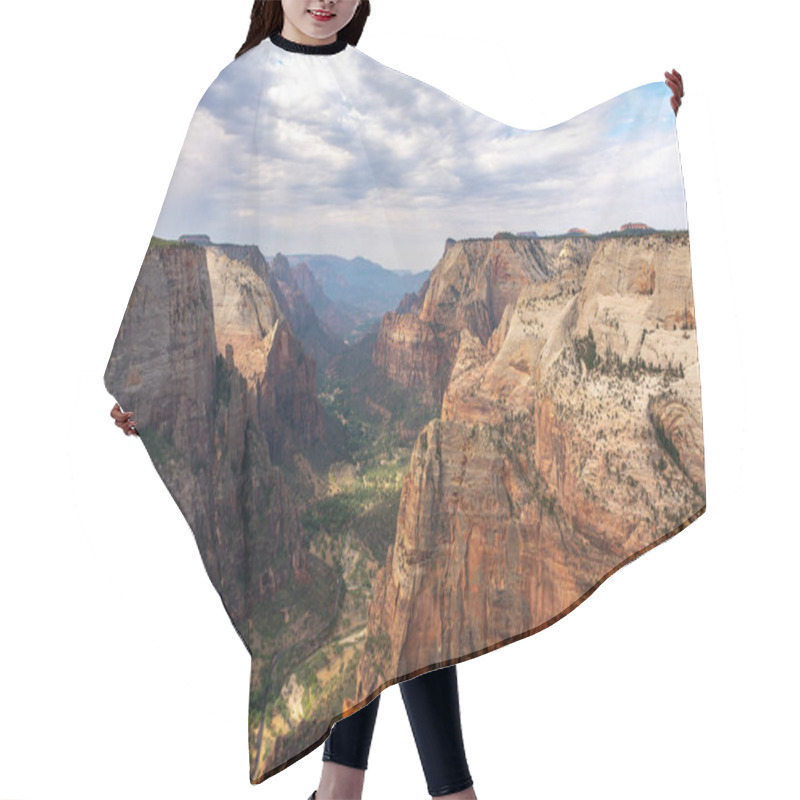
[361, 290]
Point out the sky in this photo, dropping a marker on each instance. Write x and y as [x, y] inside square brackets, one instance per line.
[340, 154]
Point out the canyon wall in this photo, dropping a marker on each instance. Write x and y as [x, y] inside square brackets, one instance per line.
[217, 382]
[570, 439]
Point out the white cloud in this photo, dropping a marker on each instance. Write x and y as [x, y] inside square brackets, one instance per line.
[356, 146]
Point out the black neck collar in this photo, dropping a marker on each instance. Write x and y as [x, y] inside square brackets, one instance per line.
[310, 49]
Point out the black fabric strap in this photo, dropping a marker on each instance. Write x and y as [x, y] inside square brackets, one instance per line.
[310, 49]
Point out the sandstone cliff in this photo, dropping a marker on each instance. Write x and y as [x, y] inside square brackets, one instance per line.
[292, 299]
[570, 441]
[200, 419]
[469, 289]
[248, 317]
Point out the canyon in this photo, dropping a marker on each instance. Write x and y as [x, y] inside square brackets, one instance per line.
[463, 473]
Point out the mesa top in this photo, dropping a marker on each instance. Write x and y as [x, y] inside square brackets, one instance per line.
[419, 381]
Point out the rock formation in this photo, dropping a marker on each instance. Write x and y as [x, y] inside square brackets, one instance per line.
[248, 317]
[541, 427]
[570, 439]
[297, 291]
[199, 415]
[469, 290]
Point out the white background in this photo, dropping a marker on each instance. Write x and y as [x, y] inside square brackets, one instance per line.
[120, 674]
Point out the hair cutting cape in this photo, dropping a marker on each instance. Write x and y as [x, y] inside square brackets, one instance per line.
[419, 381]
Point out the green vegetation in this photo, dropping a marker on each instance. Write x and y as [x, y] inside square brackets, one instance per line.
[377, 526]
[586, 349]
[377, 413]
[378, 647]
[517, 431]
[368, 511]
[613, 364]
[316, 608]
[332, 514]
